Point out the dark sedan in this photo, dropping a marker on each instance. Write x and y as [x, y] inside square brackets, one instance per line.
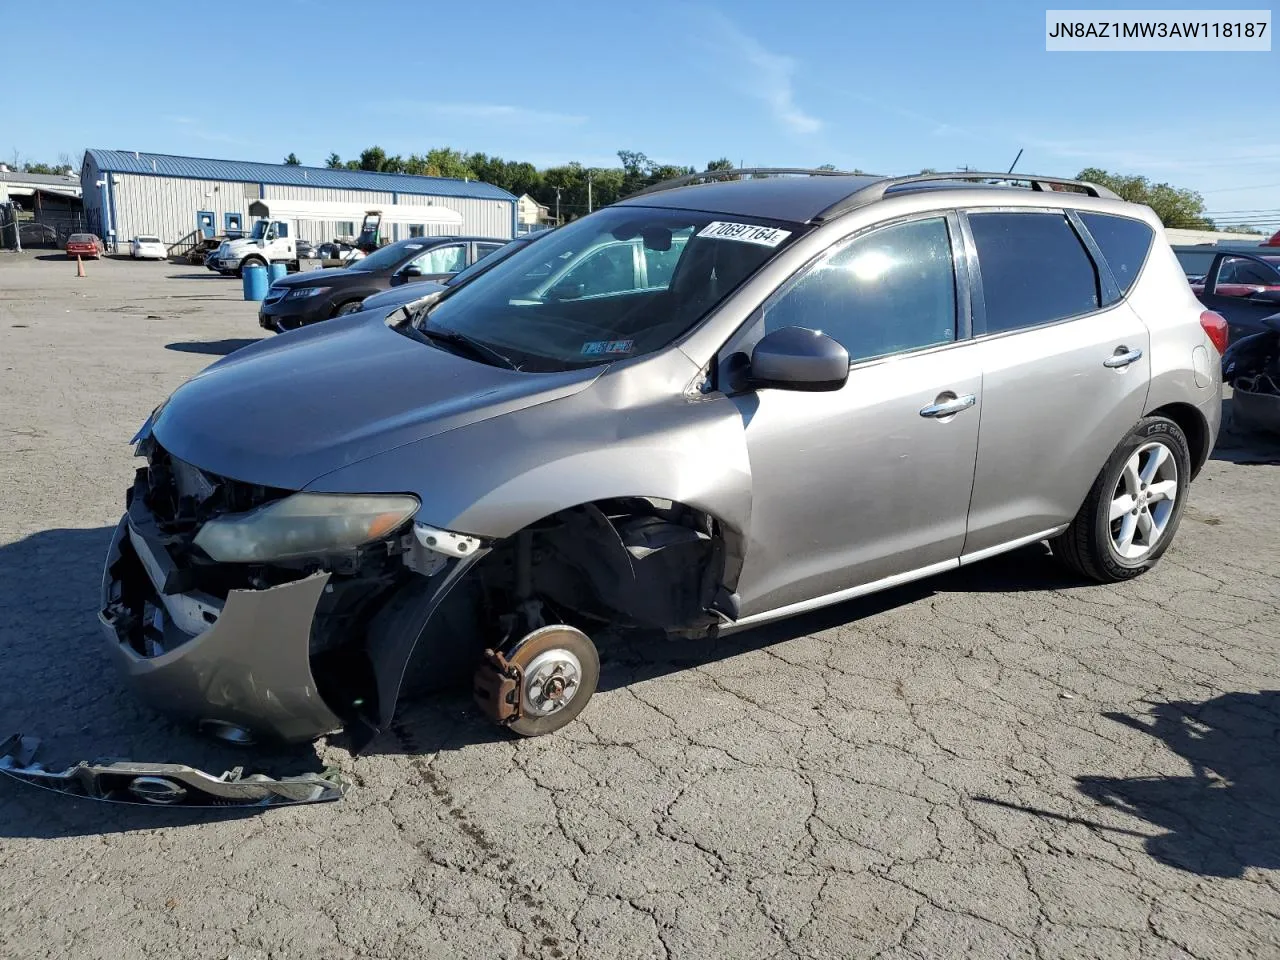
[316, 295]
[1242, 284]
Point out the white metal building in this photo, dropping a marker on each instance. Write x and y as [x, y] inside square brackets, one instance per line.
[128, 193]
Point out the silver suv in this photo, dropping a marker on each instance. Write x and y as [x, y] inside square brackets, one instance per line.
[700, 409]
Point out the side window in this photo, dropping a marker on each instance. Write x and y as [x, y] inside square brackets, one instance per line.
[484, 249]
[1124, 244]
[1244, 270]
[282, 229]
[609, 269]
[1034, 269]
[659, 265]
[448, 259]
[1195, 263]
[885, 292]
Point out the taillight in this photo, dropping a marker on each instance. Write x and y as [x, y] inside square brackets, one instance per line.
[1215, 325]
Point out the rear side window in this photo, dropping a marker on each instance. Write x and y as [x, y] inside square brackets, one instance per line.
[1034, 269]
[1124, 244]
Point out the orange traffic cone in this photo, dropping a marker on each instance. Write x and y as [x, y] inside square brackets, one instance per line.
[79, 266]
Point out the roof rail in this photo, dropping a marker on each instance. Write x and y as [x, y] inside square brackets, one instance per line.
[876, 191]
[737, 173]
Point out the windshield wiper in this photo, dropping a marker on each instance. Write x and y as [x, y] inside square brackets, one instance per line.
[475, 348]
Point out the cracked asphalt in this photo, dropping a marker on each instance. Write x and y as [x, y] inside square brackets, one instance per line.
[1002, 762]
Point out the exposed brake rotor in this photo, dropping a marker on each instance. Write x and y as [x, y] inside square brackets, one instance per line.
[539, 683]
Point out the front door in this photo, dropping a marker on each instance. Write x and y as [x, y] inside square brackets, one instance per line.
[1065, 374]
[204, 223]
[1243, 290]
[873, 480]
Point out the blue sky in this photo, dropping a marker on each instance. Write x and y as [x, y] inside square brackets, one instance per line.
[888, 87]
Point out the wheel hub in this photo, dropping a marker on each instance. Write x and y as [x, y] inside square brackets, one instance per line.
[550, 682]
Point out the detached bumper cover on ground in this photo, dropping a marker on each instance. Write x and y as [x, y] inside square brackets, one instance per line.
[165, 784]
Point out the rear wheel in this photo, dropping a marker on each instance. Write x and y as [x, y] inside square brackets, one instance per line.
[351, 306]
[1132, 511]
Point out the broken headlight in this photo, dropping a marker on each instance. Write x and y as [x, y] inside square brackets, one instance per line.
[303, 525]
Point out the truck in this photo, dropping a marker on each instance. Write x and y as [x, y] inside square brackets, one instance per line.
[273, 237]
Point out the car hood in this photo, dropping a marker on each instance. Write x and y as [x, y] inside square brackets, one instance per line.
[317, 278]
[399, 296]
[288, 409]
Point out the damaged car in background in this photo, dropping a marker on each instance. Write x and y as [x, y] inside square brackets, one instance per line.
[1252, 367]
[703, 408]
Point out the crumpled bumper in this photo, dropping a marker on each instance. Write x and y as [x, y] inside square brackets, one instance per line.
[165, 784]
[239, 664]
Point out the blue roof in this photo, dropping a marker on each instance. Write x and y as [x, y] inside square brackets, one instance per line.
[197, 168]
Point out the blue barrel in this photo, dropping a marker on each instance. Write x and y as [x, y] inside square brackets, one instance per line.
[278, 270]
[255, 282]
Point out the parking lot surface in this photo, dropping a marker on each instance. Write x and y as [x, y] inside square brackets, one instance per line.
[1002, 762]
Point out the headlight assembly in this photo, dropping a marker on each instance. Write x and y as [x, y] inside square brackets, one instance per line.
[304, 525]
[303, 292]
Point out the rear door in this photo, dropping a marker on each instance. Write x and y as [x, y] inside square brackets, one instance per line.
[1065, 370]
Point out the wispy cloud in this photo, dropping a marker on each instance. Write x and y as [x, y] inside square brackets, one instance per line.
[499, 112]
[762, 74]
[196, 129]
[1151, 154]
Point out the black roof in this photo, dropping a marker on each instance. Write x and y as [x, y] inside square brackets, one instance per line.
[821, 195]
[797, 199]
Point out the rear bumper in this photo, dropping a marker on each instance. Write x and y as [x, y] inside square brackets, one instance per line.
[243, 662]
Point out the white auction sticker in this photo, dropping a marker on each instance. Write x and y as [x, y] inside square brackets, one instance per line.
[746, 232]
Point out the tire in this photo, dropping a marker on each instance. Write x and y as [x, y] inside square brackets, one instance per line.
[250, 262]
[351, 306]
[1095, 545]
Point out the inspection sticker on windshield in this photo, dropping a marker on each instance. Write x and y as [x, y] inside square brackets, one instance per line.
[746, 232]
[596, 347]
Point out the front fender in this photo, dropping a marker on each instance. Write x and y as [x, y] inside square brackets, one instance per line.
[495, 477]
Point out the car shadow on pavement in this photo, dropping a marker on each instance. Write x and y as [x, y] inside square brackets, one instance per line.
[60, 258]
[1221, 819]
[215, 348]
[209, 275]
[59, 685]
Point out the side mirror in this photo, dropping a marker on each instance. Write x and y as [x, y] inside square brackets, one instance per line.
[567, 291]
[412, 270]
[796, 358]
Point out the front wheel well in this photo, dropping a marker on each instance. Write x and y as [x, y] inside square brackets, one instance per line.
[1194, 426]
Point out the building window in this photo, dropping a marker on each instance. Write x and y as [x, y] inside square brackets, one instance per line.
[417, 230]
[346, 228]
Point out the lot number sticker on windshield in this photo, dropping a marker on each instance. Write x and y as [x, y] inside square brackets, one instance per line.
[746, 232]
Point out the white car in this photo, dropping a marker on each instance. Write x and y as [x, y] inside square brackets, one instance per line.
[148, 248]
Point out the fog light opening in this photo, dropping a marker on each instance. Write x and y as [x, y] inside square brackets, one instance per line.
[227, 732]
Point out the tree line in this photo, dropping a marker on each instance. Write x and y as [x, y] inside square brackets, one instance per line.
[1175, 206]
[579, 188]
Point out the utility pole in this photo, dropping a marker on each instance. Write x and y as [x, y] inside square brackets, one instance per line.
[588, 191]
[557, 206]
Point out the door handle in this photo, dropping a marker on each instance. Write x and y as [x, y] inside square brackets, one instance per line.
[1122, 358]
[948, 408]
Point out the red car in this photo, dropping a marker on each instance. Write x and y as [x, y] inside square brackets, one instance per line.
[84, 245]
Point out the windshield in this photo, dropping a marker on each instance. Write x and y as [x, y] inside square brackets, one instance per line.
[259, 230]
[620, 283]
[387, 257]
